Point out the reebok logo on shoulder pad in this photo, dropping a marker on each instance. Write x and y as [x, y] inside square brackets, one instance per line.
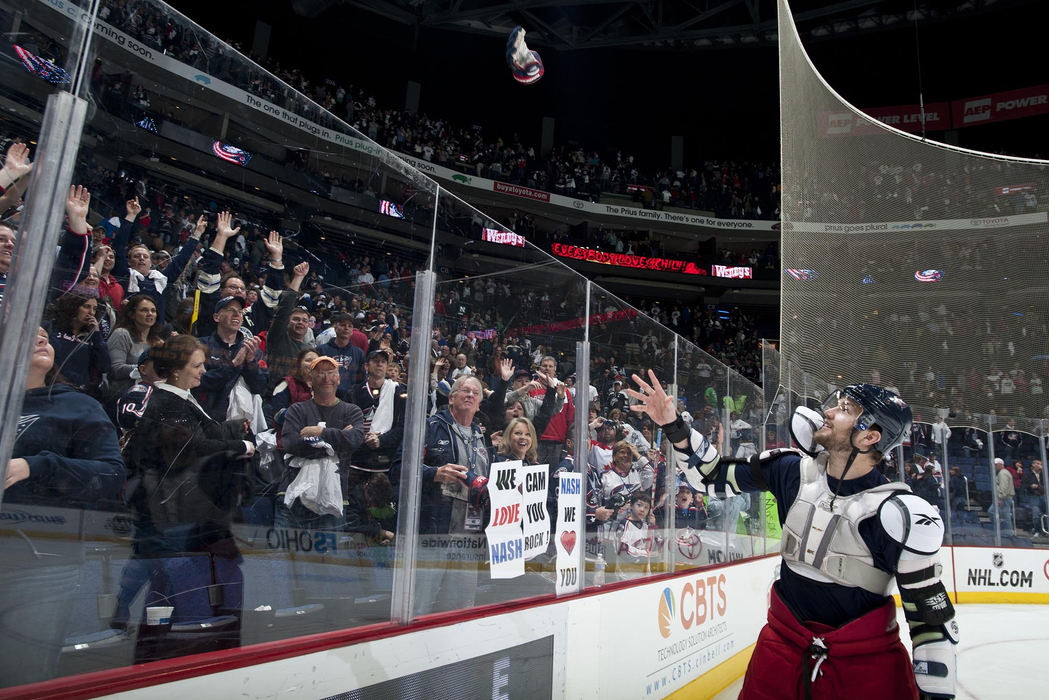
[924, 519]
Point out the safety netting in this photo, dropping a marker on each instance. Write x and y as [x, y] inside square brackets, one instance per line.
[908, 262]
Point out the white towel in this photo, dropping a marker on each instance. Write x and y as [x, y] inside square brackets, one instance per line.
[382, 419]
[135, 277]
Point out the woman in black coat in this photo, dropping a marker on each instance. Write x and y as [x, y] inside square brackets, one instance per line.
[186, 474]
[184, 466]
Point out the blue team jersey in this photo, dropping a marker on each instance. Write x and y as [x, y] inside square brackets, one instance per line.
[131, 405]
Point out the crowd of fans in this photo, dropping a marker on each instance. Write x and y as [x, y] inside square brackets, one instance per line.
[946, 306]
[913, 187]
[950, 467]
[729, 189]
[215, 364]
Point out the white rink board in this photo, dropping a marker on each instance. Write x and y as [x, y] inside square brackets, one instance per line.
[604, 646]
[657, 638]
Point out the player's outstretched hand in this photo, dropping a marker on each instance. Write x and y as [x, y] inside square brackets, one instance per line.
[652, 400]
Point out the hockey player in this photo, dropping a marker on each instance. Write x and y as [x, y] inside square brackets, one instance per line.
[847, 532]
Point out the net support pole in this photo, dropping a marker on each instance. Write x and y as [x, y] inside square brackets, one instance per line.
[994, 489]
[580, 446]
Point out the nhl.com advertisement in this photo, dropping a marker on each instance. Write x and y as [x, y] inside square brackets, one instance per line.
[1002, 570]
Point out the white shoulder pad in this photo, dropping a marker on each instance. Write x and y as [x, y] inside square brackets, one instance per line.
[912, 522]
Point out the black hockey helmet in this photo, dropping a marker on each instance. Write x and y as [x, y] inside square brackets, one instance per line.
[883, 410]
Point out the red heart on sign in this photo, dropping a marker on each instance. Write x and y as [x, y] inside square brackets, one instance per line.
[568, 540]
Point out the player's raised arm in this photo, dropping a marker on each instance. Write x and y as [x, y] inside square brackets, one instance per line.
[694, 456]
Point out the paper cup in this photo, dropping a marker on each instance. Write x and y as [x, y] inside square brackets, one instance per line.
[159, 614]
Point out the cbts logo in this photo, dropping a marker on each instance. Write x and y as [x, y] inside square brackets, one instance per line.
[702, 599]
[666, 612]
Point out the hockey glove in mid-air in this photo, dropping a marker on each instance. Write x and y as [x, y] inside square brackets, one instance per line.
[803, 426]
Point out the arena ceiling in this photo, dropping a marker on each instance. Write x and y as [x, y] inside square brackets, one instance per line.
[669, 25]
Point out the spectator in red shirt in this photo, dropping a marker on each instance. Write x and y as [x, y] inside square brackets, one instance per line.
[108, 285]
[552, 441]
[358, 339]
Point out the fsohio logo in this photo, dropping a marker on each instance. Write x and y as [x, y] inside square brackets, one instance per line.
[700, 600]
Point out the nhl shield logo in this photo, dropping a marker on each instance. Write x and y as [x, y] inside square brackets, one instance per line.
[997, 560]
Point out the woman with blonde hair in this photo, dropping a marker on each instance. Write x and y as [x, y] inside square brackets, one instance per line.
[518, 442]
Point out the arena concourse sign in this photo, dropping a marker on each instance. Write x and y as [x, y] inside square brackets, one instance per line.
[940, 116]
[909, 117]
[1000, 106]
[993, 222]
[642, 262]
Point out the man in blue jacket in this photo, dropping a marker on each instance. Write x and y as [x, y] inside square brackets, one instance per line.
[455, 471]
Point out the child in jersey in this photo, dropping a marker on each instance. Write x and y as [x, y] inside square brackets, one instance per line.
[636, 537]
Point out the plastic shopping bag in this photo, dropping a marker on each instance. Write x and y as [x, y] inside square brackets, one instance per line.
[244, 405]
[317, 485]
[271, 466]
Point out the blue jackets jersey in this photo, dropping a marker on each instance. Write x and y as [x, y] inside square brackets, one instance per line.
[132, 404]
[351, 362]
[72, 450]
